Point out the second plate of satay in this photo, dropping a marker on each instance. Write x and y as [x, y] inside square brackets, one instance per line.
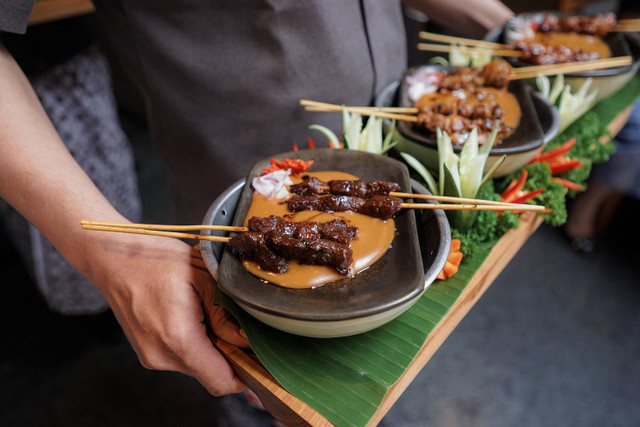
[328, 251]
[459, 99]
[555, 38]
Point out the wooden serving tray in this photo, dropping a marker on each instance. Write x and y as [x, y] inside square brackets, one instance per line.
[52, 10]
[291, 411]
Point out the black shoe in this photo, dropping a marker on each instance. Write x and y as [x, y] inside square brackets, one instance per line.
[585, 245]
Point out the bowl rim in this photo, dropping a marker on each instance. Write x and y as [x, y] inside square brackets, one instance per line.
[530, 107]
[430, 271]
[550, 132]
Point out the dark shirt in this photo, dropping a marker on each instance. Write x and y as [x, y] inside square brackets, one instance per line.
[14, 15]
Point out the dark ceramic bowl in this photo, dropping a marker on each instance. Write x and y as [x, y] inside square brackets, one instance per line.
[607, 80]
[348, 306]
[538, 127]
[527, 136]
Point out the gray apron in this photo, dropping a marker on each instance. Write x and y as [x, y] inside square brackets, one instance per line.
[222, 80]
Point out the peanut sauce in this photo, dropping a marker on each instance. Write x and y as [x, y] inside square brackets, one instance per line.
[373, 240]
[505, 100]
[573, 41]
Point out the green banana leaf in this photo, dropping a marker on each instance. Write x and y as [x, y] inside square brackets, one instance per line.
[346, 379]
[608, 108]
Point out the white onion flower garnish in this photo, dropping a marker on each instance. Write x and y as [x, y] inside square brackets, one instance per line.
[422, 82]
[273, 184]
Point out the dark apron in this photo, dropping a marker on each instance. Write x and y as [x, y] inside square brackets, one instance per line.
[222, 80]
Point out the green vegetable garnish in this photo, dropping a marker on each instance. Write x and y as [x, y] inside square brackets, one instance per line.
[570, 106]
[479, 57]
[356, 137]
[458, 175]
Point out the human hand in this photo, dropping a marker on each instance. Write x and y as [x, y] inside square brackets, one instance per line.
[470, 18]
[161, 293]
[157, 287]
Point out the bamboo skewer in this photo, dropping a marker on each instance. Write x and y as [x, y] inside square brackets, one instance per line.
[164, 227]
[472, 207]
[627, 25]
[317, 104]
[448, 48]
[629, 21]
[573, 67]
[149, 232]
[461, 40]
[626, 28]
[467, 200]
[365, 111]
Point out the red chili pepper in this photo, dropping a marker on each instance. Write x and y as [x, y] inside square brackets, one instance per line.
[555, 153]
[526, 196]
[510, 188]
[514, 194]
[514, 186]
[312, 143]
[569, 184]
[564, 164]
[297, 166]
[295, 147]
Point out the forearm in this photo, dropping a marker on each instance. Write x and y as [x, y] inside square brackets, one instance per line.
[157, 287]
[470, 18]
[38, 176]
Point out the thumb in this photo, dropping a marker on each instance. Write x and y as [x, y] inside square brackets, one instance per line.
[210, 368]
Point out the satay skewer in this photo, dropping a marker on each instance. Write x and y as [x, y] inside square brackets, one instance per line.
[629, 21]
[466, 200]
[626, 28]
[163, 227]
[399, 110]
[365, 111]
[164, 230]
[150, 232]
[320, 187]
[569, 67]
[465, 49]
[409, 114]
[474, 207]
[461, 40]
[627, 25]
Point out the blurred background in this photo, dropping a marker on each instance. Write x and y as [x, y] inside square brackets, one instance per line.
[554, 341]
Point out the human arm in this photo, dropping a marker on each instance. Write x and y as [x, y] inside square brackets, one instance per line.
[155, 286]
[470, 18]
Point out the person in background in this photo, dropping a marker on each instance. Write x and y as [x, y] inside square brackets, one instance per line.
[70, 74]
[590, 212]
[221, 82]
